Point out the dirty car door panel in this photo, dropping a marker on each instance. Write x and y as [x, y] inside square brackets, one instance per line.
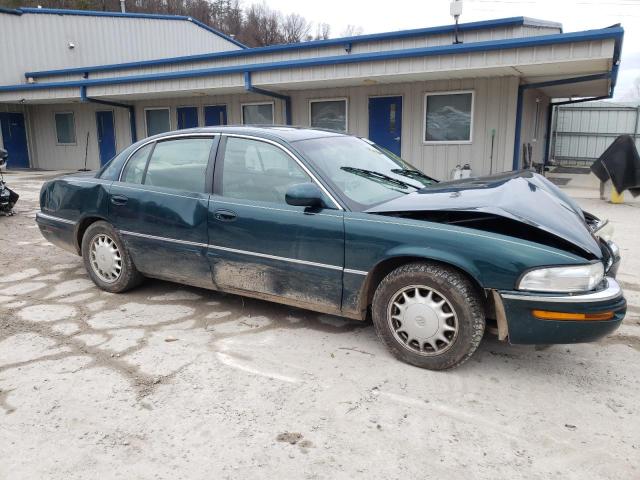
[258, 243]
[160, 208]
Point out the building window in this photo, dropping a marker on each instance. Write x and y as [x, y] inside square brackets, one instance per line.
[65, 128]
[257, 114]
[330, 114]
[448, 117]
[158, 120]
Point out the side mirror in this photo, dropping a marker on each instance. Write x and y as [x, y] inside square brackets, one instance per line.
[305, 195]
[3, 154]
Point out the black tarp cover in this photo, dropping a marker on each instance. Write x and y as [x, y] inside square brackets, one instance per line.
[620, 163]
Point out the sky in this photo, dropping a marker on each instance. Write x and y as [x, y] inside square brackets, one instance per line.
[376, 16]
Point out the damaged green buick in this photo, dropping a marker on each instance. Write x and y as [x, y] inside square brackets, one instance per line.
[335, 224]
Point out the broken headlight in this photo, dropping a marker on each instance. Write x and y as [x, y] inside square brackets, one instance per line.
[575, 278]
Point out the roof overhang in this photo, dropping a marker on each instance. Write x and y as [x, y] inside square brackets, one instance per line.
[299, 46]
[548, 60]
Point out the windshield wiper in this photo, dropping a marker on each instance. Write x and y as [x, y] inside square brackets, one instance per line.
[378, 177]
[414, 175]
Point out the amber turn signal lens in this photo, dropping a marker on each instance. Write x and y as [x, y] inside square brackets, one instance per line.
[546, 315]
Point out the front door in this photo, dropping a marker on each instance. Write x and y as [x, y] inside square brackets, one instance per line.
[187, 117]
[160, 207]
[215, 115]
[106, 135]
[260, 244]
[385, 122]
[14, 137]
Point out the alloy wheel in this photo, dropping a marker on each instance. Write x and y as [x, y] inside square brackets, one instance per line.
[105, 258]
[422, 320]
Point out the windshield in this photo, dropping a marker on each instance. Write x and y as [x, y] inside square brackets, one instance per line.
[365, 173]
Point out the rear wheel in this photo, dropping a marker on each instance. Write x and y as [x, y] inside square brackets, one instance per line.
[107, 260]
[428, 315]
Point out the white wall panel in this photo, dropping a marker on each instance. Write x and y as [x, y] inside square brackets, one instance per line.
[47, 154]
[41, 42]
[494, 108]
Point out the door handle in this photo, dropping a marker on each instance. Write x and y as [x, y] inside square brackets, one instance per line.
[225, 215]
[119, 199]
[397, 139]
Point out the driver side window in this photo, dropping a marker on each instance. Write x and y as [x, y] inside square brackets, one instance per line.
[259, 171]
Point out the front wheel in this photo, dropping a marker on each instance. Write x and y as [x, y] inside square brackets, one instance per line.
[428, 315]
[107, 260]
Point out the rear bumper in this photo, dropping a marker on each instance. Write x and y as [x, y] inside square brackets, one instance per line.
[524, 328]
[57, 230]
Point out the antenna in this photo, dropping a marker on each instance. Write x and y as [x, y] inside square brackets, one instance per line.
[456, 10]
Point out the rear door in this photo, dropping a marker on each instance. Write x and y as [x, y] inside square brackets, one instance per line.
[259, 243]
[215, 115]
[385, 122]
[187, 117]
[14, 137]
[160, 207]
[106, 135]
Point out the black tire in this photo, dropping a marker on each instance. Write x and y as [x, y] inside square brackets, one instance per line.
[464, 301]
[129, 276]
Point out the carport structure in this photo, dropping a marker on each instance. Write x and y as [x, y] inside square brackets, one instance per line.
[415, 92]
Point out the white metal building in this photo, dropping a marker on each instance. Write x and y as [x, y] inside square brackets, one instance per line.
[94, 82]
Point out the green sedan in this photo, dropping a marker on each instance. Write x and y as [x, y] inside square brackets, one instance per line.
[335, 224]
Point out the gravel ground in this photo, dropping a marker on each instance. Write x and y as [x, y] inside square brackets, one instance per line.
[174, 382]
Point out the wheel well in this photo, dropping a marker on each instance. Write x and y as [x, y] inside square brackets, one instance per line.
[82, 227]
[385, 267]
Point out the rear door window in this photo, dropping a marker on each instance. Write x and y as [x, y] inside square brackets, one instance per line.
[180, 164]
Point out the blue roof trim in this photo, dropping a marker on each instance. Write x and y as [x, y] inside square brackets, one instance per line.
[10, 11]
[614, 33]
[486, 24]
[93, 13]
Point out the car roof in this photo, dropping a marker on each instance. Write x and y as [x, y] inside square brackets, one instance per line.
[283, 132]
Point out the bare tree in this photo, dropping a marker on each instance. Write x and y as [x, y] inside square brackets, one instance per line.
[323, 30]
[257, 25]
[351, 31]
[295, 28]
[263, 25]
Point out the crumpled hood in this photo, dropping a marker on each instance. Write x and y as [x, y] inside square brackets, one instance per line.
[523, 196]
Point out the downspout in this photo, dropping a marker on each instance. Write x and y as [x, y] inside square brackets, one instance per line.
[287, 99]
[131, 108]
[520, 106]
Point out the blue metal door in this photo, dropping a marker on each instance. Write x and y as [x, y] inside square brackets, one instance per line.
[14, 137]
[106, 135]
[215, 115]
[385, 122]
[187, 117]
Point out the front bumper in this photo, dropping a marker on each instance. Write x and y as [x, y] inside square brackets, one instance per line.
[524, 328]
